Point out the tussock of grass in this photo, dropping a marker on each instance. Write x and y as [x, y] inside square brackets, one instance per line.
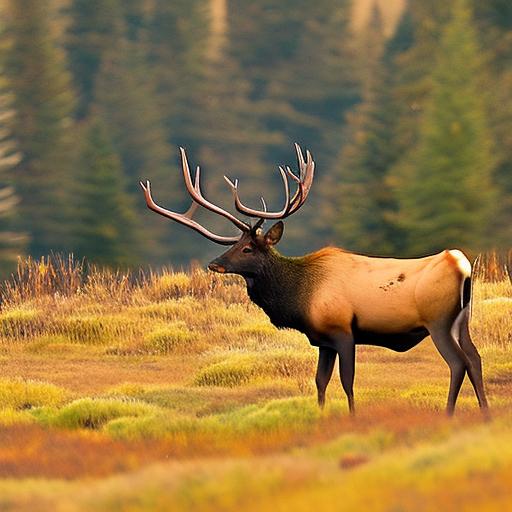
[20, 323]
[491, 322]
[93, 413]
[258, 329]
[25, 394]
[169, 285]
[171, 338]
[10, 416]
[242, 369]
[231, 372]
[171, 309]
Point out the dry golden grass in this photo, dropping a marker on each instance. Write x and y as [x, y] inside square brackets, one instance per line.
[171, 390]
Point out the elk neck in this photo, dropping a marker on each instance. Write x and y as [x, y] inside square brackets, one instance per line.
[282, 288]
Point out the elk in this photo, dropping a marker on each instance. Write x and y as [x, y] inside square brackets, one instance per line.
[340, 299]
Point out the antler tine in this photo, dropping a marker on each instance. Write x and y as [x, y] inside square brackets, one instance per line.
[307, 171]
[304, 182]
[299, 192]
[194, 206]
[185, 218]
[300, 160]
[262, 214]
[197, 196]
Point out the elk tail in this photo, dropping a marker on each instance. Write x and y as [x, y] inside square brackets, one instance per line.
[466, 293]
[467, 287]
[466, 271]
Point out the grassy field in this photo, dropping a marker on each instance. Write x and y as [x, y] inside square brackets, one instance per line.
[171, 391]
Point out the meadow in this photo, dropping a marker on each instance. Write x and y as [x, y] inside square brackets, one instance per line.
[171, 391]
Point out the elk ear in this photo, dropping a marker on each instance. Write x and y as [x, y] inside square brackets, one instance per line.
[274, 234]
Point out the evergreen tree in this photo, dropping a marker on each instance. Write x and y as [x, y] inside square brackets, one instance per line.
[364, 196]
[178, 35]
[495, 21]
[209, 111]
[444, 189]
[105, 234]
[92, 32]
[112, 72]
[125, 100]
[299, 59]
[43, 102]
[11, 242]
[363, 203]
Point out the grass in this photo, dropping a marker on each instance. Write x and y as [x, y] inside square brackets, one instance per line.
[170, 390]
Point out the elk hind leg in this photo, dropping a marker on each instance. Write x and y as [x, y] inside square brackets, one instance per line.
[347, 352]
[326, 360]
[456, 359]
[460, 332]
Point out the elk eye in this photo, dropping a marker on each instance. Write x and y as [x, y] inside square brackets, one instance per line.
[246, 249]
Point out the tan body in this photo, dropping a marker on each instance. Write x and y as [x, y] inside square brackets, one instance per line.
[384, 294]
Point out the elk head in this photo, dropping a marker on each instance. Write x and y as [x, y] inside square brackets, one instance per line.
[252, 247]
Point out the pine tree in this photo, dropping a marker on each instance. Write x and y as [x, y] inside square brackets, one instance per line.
[110, 68]
[11, 242]
[495, 20]
[298, 57]
[105, 234]
[43, 101]
[209, 110]
[444, 189]
[178, 35]
[363, 195]
[92, 31]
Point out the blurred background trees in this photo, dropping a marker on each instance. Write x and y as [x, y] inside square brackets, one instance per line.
[406, 106]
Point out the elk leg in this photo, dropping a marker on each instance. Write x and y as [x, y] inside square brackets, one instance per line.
[347, 352]
[460, 332]
[326, 360]
[456, 359]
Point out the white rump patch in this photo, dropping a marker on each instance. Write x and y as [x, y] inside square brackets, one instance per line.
[462, 262]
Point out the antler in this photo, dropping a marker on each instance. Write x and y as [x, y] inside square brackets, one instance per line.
[186, 218]
[304, 182]
[194, 189]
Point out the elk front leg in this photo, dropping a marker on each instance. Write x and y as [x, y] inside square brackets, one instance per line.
[326, 360]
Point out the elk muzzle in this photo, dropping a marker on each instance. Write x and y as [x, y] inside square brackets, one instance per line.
[215, 267]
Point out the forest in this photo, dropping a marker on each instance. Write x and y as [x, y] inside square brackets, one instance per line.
[409, 125]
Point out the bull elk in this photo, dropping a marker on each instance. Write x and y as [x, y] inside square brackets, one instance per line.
[339, 299]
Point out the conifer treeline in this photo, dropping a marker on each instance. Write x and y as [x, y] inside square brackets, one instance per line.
[411, 133]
